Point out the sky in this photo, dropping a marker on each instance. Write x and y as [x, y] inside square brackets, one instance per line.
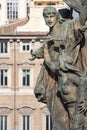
[75, 14]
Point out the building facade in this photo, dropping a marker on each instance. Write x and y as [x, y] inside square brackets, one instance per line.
[19, 109]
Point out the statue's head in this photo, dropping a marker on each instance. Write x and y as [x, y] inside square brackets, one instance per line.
[49, 10]
[50, 15]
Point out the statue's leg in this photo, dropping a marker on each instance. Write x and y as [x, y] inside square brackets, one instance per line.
[58, 113]
[85, 122]
[78, 117]
[46, 88]
[78, 122]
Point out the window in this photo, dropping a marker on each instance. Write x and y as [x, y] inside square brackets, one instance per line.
[48, 122]
[3, 47]
[26, 77]
[39, 3]
[25, 117]
[27, 7]
[3, 77]
[3, 123]
[26, 47]
[12, 9]
[25, 122]
[50, 3]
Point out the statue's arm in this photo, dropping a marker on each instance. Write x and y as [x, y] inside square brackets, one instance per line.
[79, 6]
[74, 4]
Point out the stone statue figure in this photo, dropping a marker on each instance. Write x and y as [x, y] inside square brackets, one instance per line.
[71, 81]
[44, 91]
[62, 78]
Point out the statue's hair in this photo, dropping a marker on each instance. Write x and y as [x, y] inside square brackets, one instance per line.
[49, 9]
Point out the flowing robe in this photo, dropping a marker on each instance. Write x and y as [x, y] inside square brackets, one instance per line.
[67, 33]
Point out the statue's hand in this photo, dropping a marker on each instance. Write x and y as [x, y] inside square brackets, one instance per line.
[36, 54]
[82, 107]
[33, 56]
[41, 97]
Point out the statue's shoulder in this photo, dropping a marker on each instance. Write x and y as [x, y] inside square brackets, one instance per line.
[71, 22]
[67, 24]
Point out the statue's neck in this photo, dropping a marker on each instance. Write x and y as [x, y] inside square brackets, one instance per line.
[53, 30]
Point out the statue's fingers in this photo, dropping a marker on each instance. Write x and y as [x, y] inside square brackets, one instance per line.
[83, 110]
[79, 109]
[81, 101]
[80, 105]
[31, 51]
[33, 57]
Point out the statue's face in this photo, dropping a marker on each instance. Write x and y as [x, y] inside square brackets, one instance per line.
[50, 19]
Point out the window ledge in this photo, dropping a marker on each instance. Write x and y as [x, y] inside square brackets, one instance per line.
[4, 55]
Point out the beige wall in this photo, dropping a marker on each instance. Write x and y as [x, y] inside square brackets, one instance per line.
[14, 97]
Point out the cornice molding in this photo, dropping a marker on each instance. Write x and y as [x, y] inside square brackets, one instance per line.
[4, 64]
[25, 64]
[27, 110]
[5, 110]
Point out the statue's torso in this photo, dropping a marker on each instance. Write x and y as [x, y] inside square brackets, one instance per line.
[67, 90]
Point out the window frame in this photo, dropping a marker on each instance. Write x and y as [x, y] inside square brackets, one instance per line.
[3, 77]
[8, 78]
[25, 77]
[12, 9]
[26, 122]
[48, 122]
[2, 53]
[21, 77]
[45, 112]
[27, 8]
[25, 43]
[2, 125]
[25, 111]
[26, 47]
